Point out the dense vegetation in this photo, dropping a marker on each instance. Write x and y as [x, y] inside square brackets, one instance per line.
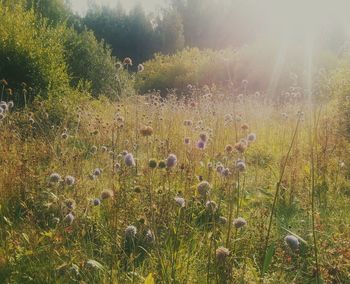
[140, 148]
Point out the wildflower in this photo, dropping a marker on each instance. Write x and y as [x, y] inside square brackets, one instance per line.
[96, 202]
[104, 149]
[150, 236]
[64, 135]
[161, 164]
[228, 148]
[203, 188]
[117, 166]
[342, 164]
[152, 163]
[127, 61]
[240, 165]
[200, 144]
[70, 203]
[69, 218]
[140, 68]
[31, 120]
[4, 106]
[129, 160]
[171, 161]
[220, 168]
[221, 254]
[130, 232]
[180, 201]
[240, 147]
[222, 220]
[211, 206]
[187, 141]
[146, 131]
[239, 222]
[97, 172]
[70, 180]
[226, 172]
[93, 149]
[244, 82]
[106, 194]
[244, 126]
[203, 137]
[10, 104]
[251, 137]
[55, 178]
[124, 153]
[292, 242]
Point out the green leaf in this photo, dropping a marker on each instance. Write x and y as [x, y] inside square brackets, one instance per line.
[268, 257]
[149, 279]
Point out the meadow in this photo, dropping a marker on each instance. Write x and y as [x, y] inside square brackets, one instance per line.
[208, 188]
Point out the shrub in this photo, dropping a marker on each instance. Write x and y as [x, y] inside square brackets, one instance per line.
[31, 51]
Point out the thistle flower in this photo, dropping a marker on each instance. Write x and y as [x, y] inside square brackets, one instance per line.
[240, 147]
[106, 194]
[152, 163]
[64, 135]
[239, 222]
[201, 145]
[203, 188]
[31, 120]
[104, 149]
[4, 106]
[55, 178]
[221, 254]
[140, 68]
[220, 168]
[130, 232]
[10, 104]
[211, 206]
[96, 202]
[226, 172]
[70, 203]
[69, 218]
[222, 220]
[70, 180]
[129, 160]
[203, 137]
[117, 166]
[171, 161]
[93, 149]
[127, 61]
[240, 165]
[244, 126]
[146, 131]
[150, 236]
[292, 242]
[228, 148]
[97, 172]
[187, 141]
[251, 137]
[180, 201]
[124, 153]
[161, 164]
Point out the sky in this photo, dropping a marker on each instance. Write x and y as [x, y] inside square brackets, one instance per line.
[80, 6]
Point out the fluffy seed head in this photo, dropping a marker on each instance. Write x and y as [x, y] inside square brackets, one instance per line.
[69, 218]
[140, 68]
[251, 137]
[240, 165]
[127, 61]
[211, 206]
[97, 172]
[93, 149]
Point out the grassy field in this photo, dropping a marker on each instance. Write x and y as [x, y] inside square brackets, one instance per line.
[153, 190]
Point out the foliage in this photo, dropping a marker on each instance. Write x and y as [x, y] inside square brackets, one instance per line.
[26, 44]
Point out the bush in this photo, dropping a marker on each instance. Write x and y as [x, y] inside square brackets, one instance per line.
[91, 61]
[31, 51]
